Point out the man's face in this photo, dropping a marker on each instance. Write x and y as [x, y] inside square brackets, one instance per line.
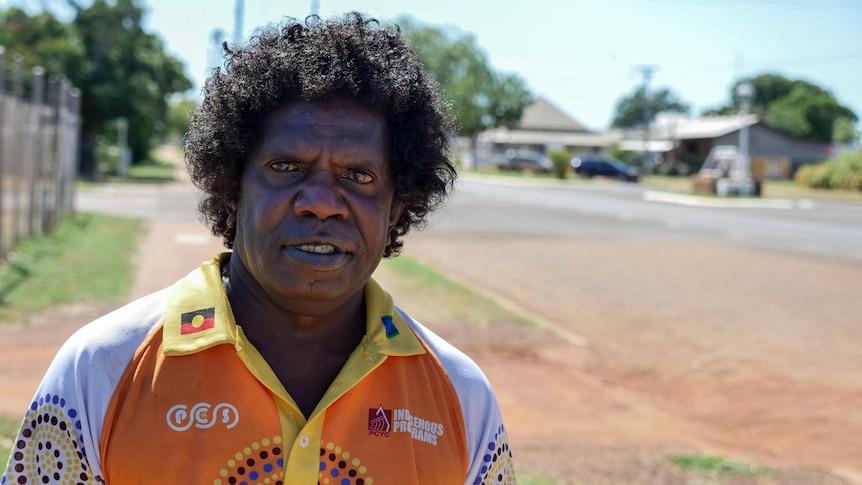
[316, 203]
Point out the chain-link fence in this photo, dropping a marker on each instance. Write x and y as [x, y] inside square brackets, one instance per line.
[39, 137]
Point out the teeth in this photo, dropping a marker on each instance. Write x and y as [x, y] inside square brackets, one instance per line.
[317, 248]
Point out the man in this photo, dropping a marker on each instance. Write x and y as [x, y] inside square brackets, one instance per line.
[317, 149]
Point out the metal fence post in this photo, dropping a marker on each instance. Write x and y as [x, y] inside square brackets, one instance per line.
[2, 149]
[39, 151]
[37, 98]
[17, 152]
[48, 164]
[63, 147]
[75, 149]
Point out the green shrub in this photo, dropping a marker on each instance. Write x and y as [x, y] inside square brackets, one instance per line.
[560, 161]
[843, 173]
[627, 156]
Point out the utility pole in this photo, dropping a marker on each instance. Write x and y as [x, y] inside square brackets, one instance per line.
[238, 14]
[646, 72]
[216, 52]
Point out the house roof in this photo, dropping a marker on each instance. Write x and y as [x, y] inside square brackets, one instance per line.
[541, 115]
[682, 128]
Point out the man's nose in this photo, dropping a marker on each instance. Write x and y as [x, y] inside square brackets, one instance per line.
[321, 196]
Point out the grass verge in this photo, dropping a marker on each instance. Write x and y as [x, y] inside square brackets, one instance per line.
[151, 171]
[716, 465]
[514, 173]
[8, 429]
[431, 295]
[779, 189]
[85, 258]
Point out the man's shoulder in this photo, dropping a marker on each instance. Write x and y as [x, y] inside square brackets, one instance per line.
[479, 408]
[462, 370]
[126, 326]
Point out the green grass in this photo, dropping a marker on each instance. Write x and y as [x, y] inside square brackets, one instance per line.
[8, 430]
[151, 171]
[86, 258]
[513, 173]
[780, 189]
[716, 465]
[432, 296]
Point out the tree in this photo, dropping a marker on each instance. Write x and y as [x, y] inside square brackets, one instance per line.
[42, 40]
[179, 114]
[130, 75]
[844, 131]
[481, 97]
[122, 71]
[629, 111]
[796, 107]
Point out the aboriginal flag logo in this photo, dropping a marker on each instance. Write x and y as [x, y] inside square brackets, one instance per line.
[197, 321]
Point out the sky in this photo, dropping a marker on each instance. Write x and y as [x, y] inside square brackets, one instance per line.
[583, 55]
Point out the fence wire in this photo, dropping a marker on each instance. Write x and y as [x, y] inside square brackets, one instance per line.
[39, 147]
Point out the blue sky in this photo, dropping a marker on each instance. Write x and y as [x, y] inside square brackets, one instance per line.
[583, 55]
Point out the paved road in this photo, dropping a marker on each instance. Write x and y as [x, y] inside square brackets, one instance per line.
[173, 202]
[617, 210]
[821, 228]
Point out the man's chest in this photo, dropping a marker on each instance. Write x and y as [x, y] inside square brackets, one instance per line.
[206, 417]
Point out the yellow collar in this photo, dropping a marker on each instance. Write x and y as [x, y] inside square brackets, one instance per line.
[198, 316]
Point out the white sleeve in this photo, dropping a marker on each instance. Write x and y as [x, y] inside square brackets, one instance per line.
[490, 458]
[60, 436]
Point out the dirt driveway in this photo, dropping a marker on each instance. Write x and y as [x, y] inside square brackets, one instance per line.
[670, 348]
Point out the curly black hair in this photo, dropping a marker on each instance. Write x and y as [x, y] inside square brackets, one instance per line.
[317, 59]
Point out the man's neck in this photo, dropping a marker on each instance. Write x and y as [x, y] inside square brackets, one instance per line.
[306, 350]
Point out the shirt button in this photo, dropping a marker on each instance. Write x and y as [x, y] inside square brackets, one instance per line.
[303, 441]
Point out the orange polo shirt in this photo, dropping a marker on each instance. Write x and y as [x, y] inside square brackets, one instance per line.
[194, 402]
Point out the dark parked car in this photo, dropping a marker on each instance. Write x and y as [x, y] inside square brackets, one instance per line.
[590, 166]
[534, 162]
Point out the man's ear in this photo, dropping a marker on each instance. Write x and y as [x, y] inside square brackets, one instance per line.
[395, 213]
[230, 221]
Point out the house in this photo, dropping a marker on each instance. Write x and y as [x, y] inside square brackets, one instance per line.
[685, 143]
[542, 126]
[682, 142]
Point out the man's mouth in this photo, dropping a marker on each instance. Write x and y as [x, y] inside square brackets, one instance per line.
[317, 248]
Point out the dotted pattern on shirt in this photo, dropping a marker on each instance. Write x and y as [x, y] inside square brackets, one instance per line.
[259, 462]
[497, 467]
[49, 447]
[338, 467]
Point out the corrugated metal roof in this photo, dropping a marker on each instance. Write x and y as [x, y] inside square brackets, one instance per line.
[706, 127]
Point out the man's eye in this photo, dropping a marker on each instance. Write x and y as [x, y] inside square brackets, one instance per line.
[282, 166]
[359, 177]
